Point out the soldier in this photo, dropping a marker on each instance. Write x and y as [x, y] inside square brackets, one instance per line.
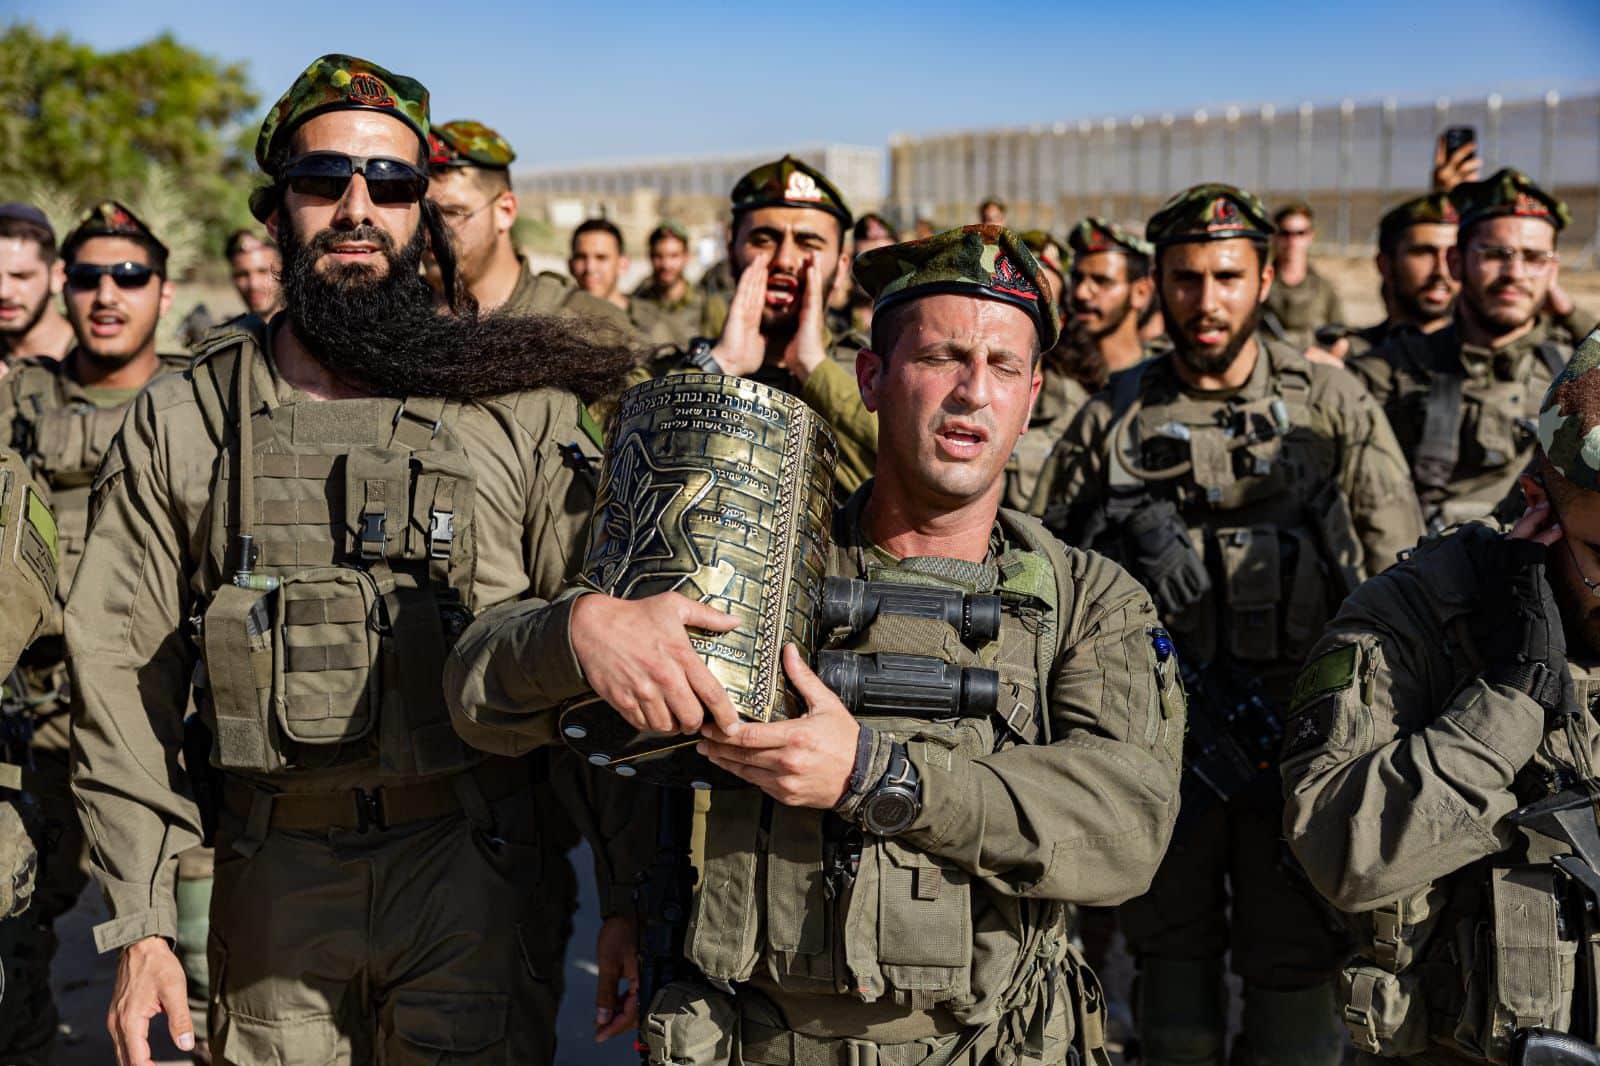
[992, 212]
[681, 303]
[1414, 242]
[1301, 300]
[597, 262]
[253, 267]
[942, 941]
[1462, 400]
[870, 231]
[1047, 250]
[1448, 693]
[302, 523]
[61, 417]
[30, 283]
[1250, 490]
[1110, 295]
[470, 180]
[788, 233]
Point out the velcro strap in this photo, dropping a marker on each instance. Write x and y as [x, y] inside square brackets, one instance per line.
[312, 612]
[299, 467]
[288, 554]
[1358, 1011]
[293, 512]
[320, 657]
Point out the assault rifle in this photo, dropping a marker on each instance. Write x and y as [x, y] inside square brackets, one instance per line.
[1233, 735]
[664, 896]
[1545, 1047]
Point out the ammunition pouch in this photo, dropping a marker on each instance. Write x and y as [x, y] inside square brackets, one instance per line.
[1385, 1013]
[689, 1023]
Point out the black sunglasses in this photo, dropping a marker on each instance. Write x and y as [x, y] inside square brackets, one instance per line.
[128, 275]
[326, 175]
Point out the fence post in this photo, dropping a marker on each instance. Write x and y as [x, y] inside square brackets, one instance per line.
[1269, 118]
[1386, 151]
[1136, 198]
[1166, 159]
[1547, 143]
[1303, 149]
[1347, 115]
[1491, 131]
[1108, 208]
[1230, 147]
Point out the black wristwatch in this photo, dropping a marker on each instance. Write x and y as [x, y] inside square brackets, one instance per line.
[699, 355]
[896, 800]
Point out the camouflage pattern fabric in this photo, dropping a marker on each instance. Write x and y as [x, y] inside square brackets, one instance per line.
[1045, 248]
[789, 182]
[1508, 192]
[1434, 209]
[468, 143]
[1569, 419]
[338, 82]
[986, 261]
[1209, 212]
[108, 219]
[1094, 235]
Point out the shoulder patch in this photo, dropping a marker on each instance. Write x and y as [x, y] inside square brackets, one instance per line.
[1331, 672]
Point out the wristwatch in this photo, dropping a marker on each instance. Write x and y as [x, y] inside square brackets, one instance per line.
[896, 800]
[699, 355]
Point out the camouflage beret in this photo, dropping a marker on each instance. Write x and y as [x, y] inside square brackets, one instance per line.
[1508, 192]
[465, 143]
[340, 83]
[669, 227]
[986, 261]
[1095, 235]
[1434, 209]
[1210, 212]
[789, 182]
[1569, 418]
[1044, 247]
[110, 219]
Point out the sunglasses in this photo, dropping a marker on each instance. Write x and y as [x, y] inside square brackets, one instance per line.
[326, 175]
[84, 277]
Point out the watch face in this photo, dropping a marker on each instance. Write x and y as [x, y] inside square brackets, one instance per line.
[889, 811]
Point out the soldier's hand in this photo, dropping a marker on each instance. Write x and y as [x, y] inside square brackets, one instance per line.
[1556, 300]
[1330, 356]
[742, 349]
[616, 956]
[150, 981]
[801, 762]
[1451, 170]
[636, 656]
[805, 350]
[1523, 639]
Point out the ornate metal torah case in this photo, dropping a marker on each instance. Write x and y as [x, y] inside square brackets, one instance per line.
[719, 488]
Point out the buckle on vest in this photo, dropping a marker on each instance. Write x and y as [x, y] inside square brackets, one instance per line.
[372, 534]
[441, 534]
[369, 810]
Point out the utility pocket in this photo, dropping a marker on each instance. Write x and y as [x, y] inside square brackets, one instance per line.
[1494, 434]
[1385, 1013]
[1252, 561]
[922, 909]
[326, 679]
[237, 638]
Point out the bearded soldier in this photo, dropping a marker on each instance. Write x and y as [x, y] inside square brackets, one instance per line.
[302, 524]
[933, 934]
[1250, 490]
[30, 284]
[786, 244]
[1462, 399]
[1440, 768]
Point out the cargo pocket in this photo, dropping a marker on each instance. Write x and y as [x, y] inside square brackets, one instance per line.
[326, 679]
[450, 1027]
[1252, 567]
[924, 924]
[797, 910]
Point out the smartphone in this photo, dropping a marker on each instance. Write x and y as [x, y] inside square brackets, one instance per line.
[1456, 136]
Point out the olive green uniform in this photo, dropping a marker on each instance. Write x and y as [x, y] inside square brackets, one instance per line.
[1464, 415]
[378, 891]
[685, 317]
[1060, 397]
[545, 292]
[1300, 309]
[1400, 765]
[1286, 525]
[62, 430]
[947, 944]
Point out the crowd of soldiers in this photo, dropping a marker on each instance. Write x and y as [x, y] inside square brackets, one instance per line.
[1297, 638]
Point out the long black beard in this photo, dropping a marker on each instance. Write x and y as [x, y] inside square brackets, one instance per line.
[387, 336]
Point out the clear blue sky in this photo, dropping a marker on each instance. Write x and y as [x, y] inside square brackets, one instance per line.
[581, 81]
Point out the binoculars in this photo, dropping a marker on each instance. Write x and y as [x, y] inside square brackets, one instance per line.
[851, 604]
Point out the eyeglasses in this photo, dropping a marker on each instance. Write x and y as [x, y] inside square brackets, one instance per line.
[326, 175]
[84, 277]
[1502, 256]
[455, 216]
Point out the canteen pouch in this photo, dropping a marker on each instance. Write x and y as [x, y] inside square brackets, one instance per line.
[326, 682]
[691, 1024]
[1385, 1013]
[1252, 559]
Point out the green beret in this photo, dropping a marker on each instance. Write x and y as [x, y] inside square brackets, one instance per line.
[989, 262]
[1508, 192]
[789, 182]
[340, 83]
[1044, 247]
[465, 143]
[1210, 212]
[1094, 235]
[1569, 418]
[1434, 209]
[110, 219]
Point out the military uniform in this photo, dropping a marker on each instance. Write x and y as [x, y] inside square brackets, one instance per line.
[1278, 497]
[378, 887]
[1061, 396]
[685, 317]
[1465, 414]
[1300, 309]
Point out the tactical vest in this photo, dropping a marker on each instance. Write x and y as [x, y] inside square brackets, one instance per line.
[346, 529]
[1256, 485]
[810, 906]
[64, 439]
[1476, 436]
[1491, 948]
